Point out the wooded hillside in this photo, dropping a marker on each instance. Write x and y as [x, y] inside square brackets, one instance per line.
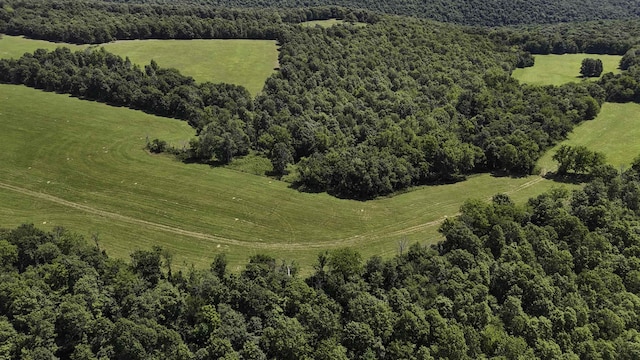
[467, 12]
[557, 278]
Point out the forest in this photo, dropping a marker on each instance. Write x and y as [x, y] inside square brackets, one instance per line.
[555, 278]
[358, 112]
[474, 12]
[94, 22]
[593, 37]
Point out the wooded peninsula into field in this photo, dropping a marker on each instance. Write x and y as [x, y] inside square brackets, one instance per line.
[238, 184]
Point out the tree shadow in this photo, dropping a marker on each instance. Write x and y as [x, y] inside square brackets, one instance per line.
[299, 186]
[504, 174]
[212, 163]
[568, 178]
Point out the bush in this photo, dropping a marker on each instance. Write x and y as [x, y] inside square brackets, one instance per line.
[157, 146]
[591, 67]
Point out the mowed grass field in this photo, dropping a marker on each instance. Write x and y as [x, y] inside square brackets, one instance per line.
[614, 132]
[243, 62]
[562, 69]
[16, 46]
[81, 164]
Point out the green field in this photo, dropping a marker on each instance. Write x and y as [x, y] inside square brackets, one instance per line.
[615, 121]
[82, 165]
[328, 23]
[16, 46]
[562, 69]
[243, 62]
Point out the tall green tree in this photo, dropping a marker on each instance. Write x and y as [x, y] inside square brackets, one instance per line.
[591, 67]
[578, 159]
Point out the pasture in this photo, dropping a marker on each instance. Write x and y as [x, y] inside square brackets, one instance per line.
[614, 132]
[562, 69]
[80, 164]
[242, 62]
[16, 46]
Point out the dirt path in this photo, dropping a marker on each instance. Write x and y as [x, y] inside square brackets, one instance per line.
[420, 227]
[228, 241]
[170, 229]
[146, 224]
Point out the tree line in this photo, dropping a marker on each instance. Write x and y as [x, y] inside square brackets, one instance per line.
[358, 118]
[99, 75]
[473, 12]
[95, 22]
[555, 278]
[624, 87]
[593, 37]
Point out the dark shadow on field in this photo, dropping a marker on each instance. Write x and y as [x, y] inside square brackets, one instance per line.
[200, 162]
[274, 175]
[302, 188]
[214, 163]
[503, 173]
[452, 179]
[569, 178]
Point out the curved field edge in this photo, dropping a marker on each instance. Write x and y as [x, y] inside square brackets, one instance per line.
[614, 132]
[91, 154]
[16, 46]
[242, 62]
[562, 69]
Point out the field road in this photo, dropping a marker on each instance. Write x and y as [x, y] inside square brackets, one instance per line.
[420, 227]
[223, 240]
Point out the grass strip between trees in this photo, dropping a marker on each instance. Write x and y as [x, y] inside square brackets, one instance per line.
[241, 62]
[562, 69]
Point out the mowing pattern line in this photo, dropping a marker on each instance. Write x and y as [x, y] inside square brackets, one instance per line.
[127, 219]
[170, 229]
[423, 226]
[289, 246]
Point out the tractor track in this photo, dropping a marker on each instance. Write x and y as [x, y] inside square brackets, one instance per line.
[229, 241]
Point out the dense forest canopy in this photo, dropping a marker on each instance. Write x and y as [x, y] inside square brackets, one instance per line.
[99, 22]
[467, 12]
[556, 278]
[594, 37]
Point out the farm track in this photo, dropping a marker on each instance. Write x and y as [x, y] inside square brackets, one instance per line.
[420, 227]
[228, 241]
[161, 227]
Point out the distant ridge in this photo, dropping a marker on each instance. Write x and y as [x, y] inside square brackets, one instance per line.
[467, 12]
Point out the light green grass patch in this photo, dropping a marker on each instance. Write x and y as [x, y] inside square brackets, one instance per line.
[562, 69]
[89, 157]
[614, 132]
[329, 23]
[16, 46]
[253, 164]
[242, 62]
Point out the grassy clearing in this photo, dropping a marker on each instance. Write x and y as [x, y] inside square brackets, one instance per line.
[91, 155]
[615, 132]
[329, 23]
[243, 62]
[16, 46]
[562, 69]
